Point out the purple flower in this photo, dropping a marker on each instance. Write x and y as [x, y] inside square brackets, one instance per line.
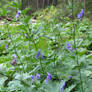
[6, 46]
[48, 77]
[62, 88]
[15, 1]
[70, 77]
[37, 76]
[68, 46]
[33, 77]
[9, 35]
[13, 61]
[17, 15]
[47, 80]
[81, 11]
[38, 54]
[74, 49]
[79, 16]
[26, 35]
[42, 57]
[14, 55]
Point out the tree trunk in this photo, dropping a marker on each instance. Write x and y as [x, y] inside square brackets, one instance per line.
[36, 4]
[84, 7]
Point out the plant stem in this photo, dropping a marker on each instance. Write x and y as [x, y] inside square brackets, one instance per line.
[41, 66]
[77, 59]
[72, 9]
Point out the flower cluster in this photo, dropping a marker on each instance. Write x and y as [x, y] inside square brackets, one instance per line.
[15, 1]
[48, 77]
[62, 88]
[14, 55]
[38, 77]
[79, 16]
[42, 57]
[64, 84]
[9, 35]
[70, 77]
[14, 60]
[6, 46]
[68, 46]
[38, 54]
[35, 77]
[18, 13]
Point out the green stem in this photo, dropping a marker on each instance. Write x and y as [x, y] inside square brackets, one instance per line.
[77, 59]
[31, 38]
[41, 66]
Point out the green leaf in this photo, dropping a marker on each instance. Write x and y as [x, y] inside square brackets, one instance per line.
[70, 88]
[25, 10]
[89, 56]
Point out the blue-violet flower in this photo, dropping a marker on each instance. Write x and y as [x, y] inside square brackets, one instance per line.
[68, 46]
[37, 76]
[18, 13]
[38, 54]
[70, 77]
[62, 88]
[79, 16]
[6, 46]
[48, 77]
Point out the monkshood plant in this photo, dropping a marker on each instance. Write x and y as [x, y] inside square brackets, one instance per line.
[77, 45]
